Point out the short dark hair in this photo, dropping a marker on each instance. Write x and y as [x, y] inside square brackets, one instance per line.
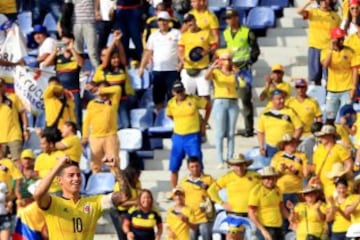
[68, 35]
[54, 79]
[67, 165]
[341, 180]
[48, 135]
[193, 160]
[72, 125]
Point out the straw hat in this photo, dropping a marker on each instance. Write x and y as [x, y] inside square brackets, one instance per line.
[337, 170]
[286, 138]
[240, 159]
[177, 190]
[268, 171]
[327, 130]
[311, 188]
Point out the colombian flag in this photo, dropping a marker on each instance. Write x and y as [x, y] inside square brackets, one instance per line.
[29, 224]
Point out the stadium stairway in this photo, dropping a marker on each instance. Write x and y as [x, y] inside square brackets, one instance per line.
[286, 44]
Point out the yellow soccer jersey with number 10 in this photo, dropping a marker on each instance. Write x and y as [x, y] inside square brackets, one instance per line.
[68, 220]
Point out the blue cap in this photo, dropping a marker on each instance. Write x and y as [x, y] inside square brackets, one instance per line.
[347, 109]
[277, 92]
[39, 29]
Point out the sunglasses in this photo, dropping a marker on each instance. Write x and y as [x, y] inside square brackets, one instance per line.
[300, 86]
[225, 59]
[354, 8]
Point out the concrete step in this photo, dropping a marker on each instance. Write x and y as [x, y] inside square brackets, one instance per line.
[286, 32]
[283, 41]
[286, 22]
[259, 71]
[269, 51]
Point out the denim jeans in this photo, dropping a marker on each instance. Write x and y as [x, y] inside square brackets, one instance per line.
[225, 112]
[270, 151]
[103, 29]
[86, 32]
[204, 230]
[129, 21]
[315, 70]
[338, 236]
[124, 111]
[116, 218]
[334, 101]
[245, 95]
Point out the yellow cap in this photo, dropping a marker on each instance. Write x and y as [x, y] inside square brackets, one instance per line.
[277, 67]
[27, 153]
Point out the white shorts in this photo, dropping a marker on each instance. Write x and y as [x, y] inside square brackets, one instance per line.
[196, 84]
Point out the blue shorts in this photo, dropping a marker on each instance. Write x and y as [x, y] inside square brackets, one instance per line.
[182, 145]
[316, 71]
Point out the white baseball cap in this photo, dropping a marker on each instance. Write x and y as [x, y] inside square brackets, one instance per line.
[163, 15]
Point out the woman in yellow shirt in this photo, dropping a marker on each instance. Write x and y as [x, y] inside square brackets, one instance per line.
[353, 202]
[225, 106]
[308, 218]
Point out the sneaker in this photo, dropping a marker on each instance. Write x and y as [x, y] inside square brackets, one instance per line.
[245, 133]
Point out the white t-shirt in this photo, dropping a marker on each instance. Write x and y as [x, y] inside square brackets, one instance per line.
[3, 191]
[105, 7]
[164, 47]
[47, 47]
[352, 28]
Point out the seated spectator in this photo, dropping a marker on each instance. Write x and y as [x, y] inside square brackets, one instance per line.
[321, 21]
[70, 144]
[46, 46]
[141, 221]
[179, 218]
[348, 23]
[352, 203]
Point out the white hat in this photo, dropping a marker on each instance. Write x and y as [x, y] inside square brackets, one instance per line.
[163, 15]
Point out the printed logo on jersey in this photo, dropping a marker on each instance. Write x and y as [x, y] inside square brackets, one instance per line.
[87, 208]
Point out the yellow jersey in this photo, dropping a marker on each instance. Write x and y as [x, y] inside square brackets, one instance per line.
[355, 216]
[134, 193]
[178, 227]
[9, 172]
[190, 40]
[307, 110]
[324, 160]
[267, 203]
[320, 24]
[10, 108]
[8, 6]
[43, 165]
[353, 42]
[340, 224]
[66, 219]
[186, 114]
[205, 20]
[275, 124]
[224, 85]
[101, 117]
[289, 182]
[307, 215]
[195, 194]
[74, 147]
[340, 73]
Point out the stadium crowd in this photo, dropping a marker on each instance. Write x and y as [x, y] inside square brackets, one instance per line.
[310, 188]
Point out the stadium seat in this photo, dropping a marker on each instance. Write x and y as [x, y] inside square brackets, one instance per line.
[146, 100]
[261, 18]
[33, 142]
[139, 83]
[100, 183]
[275, 4]
[124, 159]
[130, 139]
[141, 118]
[163, 126]
[214, 5]
[245, 4]
[259, 160]
[25, 22]
[50, 23]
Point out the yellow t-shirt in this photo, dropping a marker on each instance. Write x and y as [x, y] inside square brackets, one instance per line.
[357, 134]
[53, 106]
[8, 172]
[340, 223]
[181, 229]
[320, 24]
[308, 214]
[345, 9]
[195, 195]
[237, 189]
[9, 115]
[290, 182]
[190, 40]
[307, 111]
[353, 42]
[340, 69]
[344, 135]
[8, 6]
[134, 193]
[186, 114]
[206, 20]
[43, 165]
[224, 85]
[355, 216]
[324, 161]
[275, 124]
[267, 202]
[101, 118]
[74, 147]
[66, 219]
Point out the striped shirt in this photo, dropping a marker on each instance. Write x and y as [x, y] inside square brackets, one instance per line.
[84, 11]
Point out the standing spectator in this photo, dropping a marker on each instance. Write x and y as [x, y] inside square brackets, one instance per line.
[142, 219]
[267, 212]
[275, 81]
[308, 110]
[195, 46]
[59, 104]
[348, 24]
[46, 46]
[179, 218]
[205, 19]
[327, 154]
[186, 140]
[68, 63]
[161, 51]
[342, 80]
[84, 28]
[104, 24]
[321, 21]
[195, 186]
[128, 19]
[225, 105]
[11, 133]
[238, 183]
[100, 124]
[70, 144]
[9, 9]
[242, 41]
[275, 122]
